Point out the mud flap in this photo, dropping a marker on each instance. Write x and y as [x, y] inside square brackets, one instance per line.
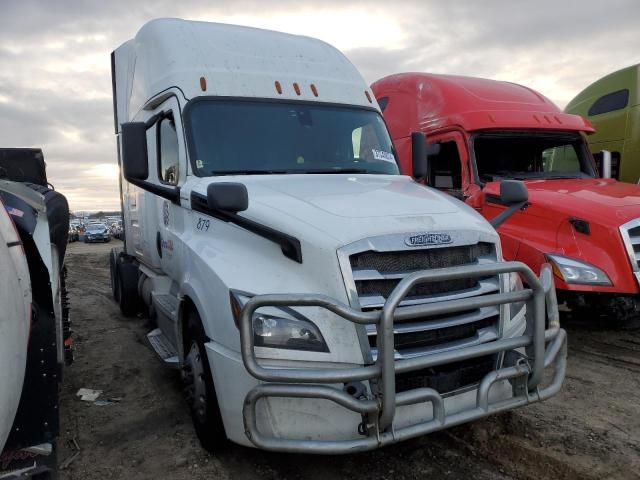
[36, 421]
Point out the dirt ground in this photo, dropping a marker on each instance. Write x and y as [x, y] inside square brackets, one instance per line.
[590, 430]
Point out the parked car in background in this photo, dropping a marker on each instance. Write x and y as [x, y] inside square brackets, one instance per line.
[73, 234]
[612, 105]
[116, 230]
[97, 232]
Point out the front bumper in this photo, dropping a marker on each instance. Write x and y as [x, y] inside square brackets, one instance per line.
[378, 409]
[96, 238]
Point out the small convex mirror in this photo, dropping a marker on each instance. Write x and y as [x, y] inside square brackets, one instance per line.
[513, 192]
[227, 196]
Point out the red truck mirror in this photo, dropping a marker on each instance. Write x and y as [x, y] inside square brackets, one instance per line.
[419, 155]
[420, 152]
[512, 192]
[515, 195]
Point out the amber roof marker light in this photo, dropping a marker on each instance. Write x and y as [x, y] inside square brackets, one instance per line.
[278, 87]
[203, 84]
[314, 90]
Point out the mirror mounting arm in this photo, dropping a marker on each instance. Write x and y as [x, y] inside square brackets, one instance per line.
[157, 117]
[504, 215]
[514, 194]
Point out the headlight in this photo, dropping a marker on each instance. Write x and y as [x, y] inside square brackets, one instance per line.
[280, 328]
[577, 272]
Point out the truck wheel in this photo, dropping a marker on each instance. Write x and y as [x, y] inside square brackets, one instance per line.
[127, 281]
[613, 312]
[113, 271]
[200, 391]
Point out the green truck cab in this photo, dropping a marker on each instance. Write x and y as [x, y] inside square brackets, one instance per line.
[612, 105]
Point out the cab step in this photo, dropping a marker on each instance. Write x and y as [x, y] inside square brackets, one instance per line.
[163, 348]
[166, 304]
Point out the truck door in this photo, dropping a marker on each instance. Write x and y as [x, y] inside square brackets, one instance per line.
[448, 169]
[451, 172]
[170, 166]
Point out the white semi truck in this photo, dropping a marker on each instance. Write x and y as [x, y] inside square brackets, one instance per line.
[315, 299]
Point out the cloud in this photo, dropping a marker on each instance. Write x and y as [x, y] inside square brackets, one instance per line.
[55, 85]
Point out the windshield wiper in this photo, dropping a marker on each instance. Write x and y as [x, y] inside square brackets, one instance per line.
[294, 171]
[336, 170]
[251, 172]
[538, 175]
[567, 175]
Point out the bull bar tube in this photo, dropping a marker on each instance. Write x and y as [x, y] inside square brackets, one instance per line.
[378, 411]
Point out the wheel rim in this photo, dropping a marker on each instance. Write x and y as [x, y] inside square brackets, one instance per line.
[196, 383]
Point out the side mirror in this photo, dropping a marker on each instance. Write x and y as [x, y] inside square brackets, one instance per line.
[135, 165]
[515, 195]
[513, 191]
[606, 164]
[420, 152]
[419, 155]
[227, 196]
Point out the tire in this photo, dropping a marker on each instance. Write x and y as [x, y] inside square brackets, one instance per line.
[113, 271]
[619, 312]
[200, 391]
[127, 281]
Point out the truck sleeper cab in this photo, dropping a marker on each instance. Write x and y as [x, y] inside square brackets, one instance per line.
[612, 105]
[315, 299]
[486, 132]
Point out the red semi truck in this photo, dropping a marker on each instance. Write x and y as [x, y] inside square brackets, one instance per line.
[480, 132]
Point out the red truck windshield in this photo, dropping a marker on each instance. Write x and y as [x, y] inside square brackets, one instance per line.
[530, 155]
[231, 137]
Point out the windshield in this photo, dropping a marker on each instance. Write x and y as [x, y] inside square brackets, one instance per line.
[98, 227]
[230, 137]
[524, 156]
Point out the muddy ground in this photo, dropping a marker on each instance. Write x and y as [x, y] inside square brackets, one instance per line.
[590, 430]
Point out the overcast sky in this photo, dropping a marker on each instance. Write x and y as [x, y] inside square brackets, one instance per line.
[55, 85]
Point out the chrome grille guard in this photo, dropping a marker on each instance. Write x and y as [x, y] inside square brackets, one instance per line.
[544, 349]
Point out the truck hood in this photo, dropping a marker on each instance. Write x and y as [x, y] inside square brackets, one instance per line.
[605, 201]
[347, 207]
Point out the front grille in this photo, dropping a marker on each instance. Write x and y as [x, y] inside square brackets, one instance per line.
[385, 287]
[631, 236]
[447, 378]
[440, 336]
[377, 273]
[403, 261]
